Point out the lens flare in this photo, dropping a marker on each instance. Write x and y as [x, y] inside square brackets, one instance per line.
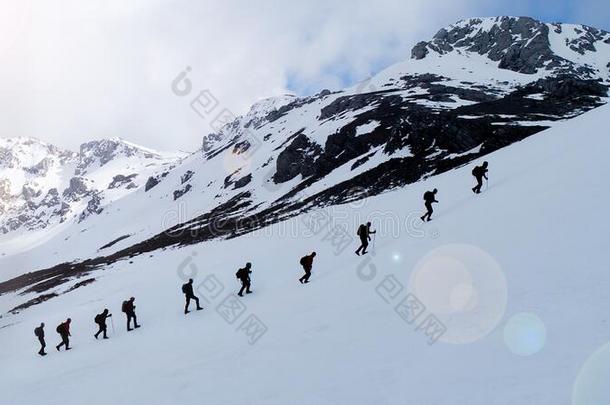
[591, 386]
[525, 334]
[233, 162]
[464, 287]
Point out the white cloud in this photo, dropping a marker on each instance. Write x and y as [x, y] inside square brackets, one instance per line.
[76, 70]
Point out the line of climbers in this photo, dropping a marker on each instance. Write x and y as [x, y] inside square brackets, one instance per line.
[243, 275]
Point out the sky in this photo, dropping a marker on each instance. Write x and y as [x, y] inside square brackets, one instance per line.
[73, 71]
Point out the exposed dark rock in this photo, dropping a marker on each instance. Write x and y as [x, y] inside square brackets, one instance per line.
[93, 207]
[181, 192]
[104, 151]
[30, 193]
[114, 242]
[121, 180]
[41, 168]
[186, 176]
[242, 182]
[80, 284]
[297, 158]
[209, 141]
[151, 182]
[51, 199]
[229, 179]
[34, 301]
[420, 50]
[76, 189]
[348, 103]
[63, 211]
[241, 147]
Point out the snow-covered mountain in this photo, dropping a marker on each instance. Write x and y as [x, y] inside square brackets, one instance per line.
[517, 278]
[476, 87]
[43, 185]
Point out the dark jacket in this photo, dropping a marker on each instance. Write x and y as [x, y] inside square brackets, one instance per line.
[187, 289]
[39, 332]
[479, 172]
[64, 329]
[128, 307]
[429, 197]
[307, 261]
[243, 274]
[100, 319]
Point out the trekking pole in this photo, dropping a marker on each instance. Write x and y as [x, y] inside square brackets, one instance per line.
[486, 183]
[112, 323]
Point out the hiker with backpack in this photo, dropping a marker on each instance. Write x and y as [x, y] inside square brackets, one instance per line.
[187, 289]
[39, 332]
[100, 320]
[64, 331]
[429, 198]
[480, 173]
[307, 263]
[130, 310]
[243, 275]
[364, 233]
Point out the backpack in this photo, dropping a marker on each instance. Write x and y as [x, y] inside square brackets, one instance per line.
[37, 332]
[60, 328]
[238, 274]
[303, 260]
[99, 318]
[184, 286]
[361, 230]
[124, 306]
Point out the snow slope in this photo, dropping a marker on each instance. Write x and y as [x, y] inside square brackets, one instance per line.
[533, 244]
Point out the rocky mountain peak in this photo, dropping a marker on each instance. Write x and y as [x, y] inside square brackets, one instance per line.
[524, 45]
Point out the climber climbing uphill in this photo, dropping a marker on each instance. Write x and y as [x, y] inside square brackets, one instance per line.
[364, 233]
[307, 263]
[39, 332]
[187, 290]
[243, 275]
[64, 331]
[100, 320]
[130, 311]
[429, 198]
[479, 173]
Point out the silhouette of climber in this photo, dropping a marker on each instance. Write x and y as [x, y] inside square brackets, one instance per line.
[39, 332]
[130, 311]
[64, 331]
[364, 232]
[307, 263]
[100, 320]
[429, 198]
[187, 289]
[480, 173]
[243, 275]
